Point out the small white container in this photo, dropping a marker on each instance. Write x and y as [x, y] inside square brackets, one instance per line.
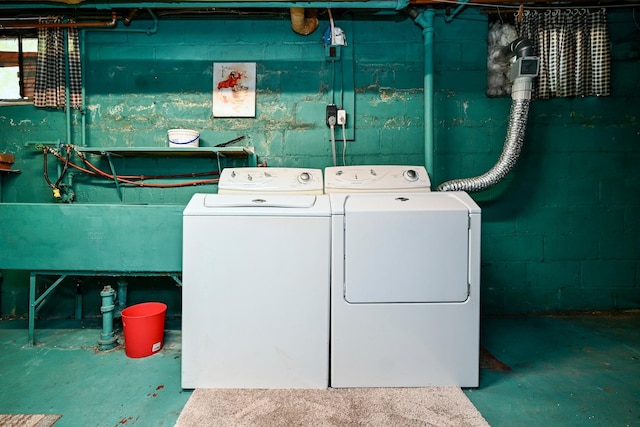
[183, 138]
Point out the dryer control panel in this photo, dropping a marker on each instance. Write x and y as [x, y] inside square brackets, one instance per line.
[270, 180]
[381, 178]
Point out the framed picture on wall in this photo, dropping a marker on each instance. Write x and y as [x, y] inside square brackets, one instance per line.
[234, 89]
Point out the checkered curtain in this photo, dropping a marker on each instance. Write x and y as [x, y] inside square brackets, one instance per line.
[51, 79]
[574, 51]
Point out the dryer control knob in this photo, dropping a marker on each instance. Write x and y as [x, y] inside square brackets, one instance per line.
[411, 175]
[304, 177]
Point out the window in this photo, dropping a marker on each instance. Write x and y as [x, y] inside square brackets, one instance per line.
[18, 56]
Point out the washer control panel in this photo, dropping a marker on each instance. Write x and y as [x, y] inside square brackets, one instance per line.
[376, 178]
[271, 180]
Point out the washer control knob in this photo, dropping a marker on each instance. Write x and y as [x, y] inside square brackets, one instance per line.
[304, 177]
[411, 175]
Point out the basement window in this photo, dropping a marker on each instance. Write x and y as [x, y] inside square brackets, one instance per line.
[18, 56]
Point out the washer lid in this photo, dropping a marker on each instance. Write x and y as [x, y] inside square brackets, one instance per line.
[405, 248]
[257, 205]
[259, 201]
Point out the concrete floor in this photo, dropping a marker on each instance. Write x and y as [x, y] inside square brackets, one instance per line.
[65, 374]
[537, 371]
[565, 371]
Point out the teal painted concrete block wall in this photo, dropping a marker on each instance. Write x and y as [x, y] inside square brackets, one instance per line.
[558, 234]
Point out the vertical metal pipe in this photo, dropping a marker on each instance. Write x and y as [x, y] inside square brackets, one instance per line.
[425, 19]
[429, 88]
[32, 308]
[122, 296]
[107, 339]
[78, 300]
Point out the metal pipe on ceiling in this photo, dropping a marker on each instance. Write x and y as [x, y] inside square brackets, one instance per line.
[22, 25]
[250, 4]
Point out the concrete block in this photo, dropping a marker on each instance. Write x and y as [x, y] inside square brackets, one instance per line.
[608, 274]
[570, 246]
[521, 247]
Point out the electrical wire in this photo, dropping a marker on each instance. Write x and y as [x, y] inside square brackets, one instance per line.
[331, 25]
[333, 140]
[344, 145]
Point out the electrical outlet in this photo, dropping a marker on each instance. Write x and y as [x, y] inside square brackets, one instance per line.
[342, 117]
[332, 115]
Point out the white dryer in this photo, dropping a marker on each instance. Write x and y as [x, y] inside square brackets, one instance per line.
[255, 310]
[405, 280]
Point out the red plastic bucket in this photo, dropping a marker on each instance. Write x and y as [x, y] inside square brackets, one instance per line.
[143, 326]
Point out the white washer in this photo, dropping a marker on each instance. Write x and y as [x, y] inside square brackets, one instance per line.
[256, 265]
[405, 280]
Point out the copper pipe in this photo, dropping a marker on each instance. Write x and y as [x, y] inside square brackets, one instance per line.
[127, 19]
[24, 26]
[303, 21]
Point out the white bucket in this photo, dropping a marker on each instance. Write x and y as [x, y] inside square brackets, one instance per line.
[183, 138]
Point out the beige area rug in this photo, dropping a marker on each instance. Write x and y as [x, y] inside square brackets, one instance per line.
[25, 420]
[429, 406]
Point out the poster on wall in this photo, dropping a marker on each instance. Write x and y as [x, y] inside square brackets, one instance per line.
[234, 89]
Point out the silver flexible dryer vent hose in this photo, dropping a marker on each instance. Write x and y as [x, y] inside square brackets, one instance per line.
[510, 153]
[523, 70]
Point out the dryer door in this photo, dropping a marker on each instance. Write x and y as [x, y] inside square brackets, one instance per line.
[406, 248]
